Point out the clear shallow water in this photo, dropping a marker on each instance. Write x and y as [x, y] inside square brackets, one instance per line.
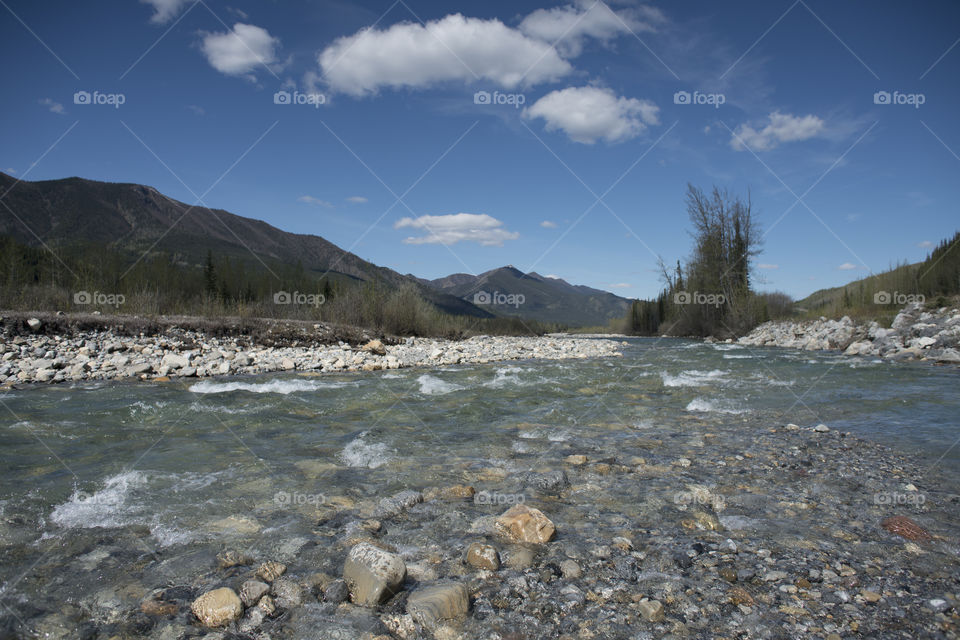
[164, 476]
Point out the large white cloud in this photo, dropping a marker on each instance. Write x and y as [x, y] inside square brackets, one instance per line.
[453, 48]
[165, 10]
[568, 26]
[587, 114]
[241, 50]
[453, 228]
[782, 127]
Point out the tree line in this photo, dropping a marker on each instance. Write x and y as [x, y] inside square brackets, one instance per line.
[90, 278]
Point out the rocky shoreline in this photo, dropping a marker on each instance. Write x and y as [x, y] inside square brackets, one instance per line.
[96, 355]
[915, 334]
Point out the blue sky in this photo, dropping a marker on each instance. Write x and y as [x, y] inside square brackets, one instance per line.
[436, 137]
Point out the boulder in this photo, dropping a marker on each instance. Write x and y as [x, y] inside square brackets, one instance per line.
[375, 347]
[521, 523]
[218, 607]
[372, 574]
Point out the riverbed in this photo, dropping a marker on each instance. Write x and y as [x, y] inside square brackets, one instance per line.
[741, 489]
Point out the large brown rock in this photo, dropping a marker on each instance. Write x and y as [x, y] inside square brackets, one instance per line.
[218, 607]
[372, 574]
[524, 524]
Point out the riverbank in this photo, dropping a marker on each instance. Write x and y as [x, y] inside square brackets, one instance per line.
[915, 334]
[50, 350]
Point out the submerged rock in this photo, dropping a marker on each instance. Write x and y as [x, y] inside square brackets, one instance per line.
[434, 604]
[483, 556]
[251, 591]
[905, 528]
[218, 607]
[521, 523]
[372, 574]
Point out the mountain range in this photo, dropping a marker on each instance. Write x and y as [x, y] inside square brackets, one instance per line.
[510, 292]
[138, 220]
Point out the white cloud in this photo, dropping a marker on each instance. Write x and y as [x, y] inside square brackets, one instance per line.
[848, 266]
[782, 127]
[568, 26]
[315, 201]
[55, 107]
[548, 224]
[165, 10]
[619, 285]
[553, 276]
[11, 171]
[357, 200]
[764, 265]
[452, 228]
[197, 110]
[587, 114]
[453, 48]
[925, 244]
[239, 51]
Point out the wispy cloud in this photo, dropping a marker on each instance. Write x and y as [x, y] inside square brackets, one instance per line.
[548, 224]
[357, 200]
[766, 265]
[165, 10]
[53, 106]
[925, 244]
[315, 201]
[847, 266]
[458, 227]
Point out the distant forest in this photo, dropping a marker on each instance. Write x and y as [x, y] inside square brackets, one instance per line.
[99, 279]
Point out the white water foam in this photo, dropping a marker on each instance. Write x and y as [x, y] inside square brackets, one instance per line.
[125, 500]
[727, 347]
[704, 405]
[274, 386]
[735, 356]
[108, 507]
[431, 386]
[360, 453]
[692, 378]
[505, 376]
